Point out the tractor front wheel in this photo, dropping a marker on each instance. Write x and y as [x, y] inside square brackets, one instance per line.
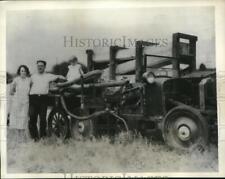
[185, 128]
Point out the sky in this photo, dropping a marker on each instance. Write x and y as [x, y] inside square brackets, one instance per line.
[41, 34]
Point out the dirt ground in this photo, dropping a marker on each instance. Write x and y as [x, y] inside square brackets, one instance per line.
[100, 155]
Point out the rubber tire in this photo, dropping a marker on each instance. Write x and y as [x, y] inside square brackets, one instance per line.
[192, 113]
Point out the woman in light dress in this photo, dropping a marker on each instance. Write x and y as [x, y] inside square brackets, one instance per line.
[19, 115]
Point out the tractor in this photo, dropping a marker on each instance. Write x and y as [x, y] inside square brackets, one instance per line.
[143, 93]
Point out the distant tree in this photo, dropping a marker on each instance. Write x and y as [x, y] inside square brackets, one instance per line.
[202, 67]
[9, 77]
[62, 68]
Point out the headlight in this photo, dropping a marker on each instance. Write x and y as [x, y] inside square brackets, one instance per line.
[149, 77]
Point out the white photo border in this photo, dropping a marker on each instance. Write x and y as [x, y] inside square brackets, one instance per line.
[219, 6]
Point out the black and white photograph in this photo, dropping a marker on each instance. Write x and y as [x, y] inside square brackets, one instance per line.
[121, 89]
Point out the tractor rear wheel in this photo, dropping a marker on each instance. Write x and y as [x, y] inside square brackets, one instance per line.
[82, 129]
[185, 128]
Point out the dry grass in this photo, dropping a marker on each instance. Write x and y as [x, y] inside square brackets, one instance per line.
[139, 155]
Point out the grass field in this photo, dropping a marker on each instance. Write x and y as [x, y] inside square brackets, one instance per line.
[100, 155]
